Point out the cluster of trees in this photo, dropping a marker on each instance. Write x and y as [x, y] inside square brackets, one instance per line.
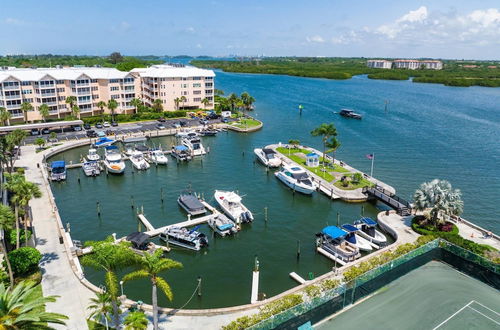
[232, 102]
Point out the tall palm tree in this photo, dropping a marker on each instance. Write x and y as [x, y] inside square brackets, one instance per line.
[137, 104]
[233, 100]
[112, 105]
[6, 223]
[332, 145]
[176, 102]
[205, 102]
[110, 257]
[44, 111]
[5, 116]
[25, 107]
[183, 99]
[438, 196]
[325, 131]
[158, 105]
[101, 105]
[71, 101]
[13, 139]
[136, 321]
[27, 191]
[101, 308]
[151, 265]
[247, 100]
[75, 111]
[14, 185]
[20, 308]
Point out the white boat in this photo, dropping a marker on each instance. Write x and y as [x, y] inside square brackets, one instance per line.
[332, 240]
[189, 239]
[58, 170]
[138, 161]
[91, 168]
[353, 237]
[104, 142]
[113, 160]
[222, 225]
[181, 153]
[187, 134]
[157, 156]
[296, 178]
[367, 229]
[92, 155]
[191, 204]
[267, 157]
[230, 202]
[194, 145]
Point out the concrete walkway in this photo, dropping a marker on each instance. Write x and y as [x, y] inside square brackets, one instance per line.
[477, 235]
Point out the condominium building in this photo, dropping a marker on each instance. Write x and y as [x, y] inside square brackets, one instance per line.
[379, 64]
[90, 85]
[417, 64]
[177, 86]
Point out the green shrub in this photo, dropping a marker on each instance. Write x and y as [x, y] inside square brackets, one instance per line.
[329, 284]
[22, 234]
[312, 291]
[24, 260]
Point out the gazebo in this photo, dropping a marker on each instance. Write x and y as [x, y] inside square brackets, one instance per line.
[312, 160]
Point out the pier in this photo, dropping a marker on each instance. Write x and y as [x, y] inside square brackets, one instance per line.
[402, 206]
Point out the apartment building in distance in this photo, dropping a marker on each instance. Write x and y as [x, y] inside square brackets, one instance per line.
[379, 64]
[90, 85]
[405, 64]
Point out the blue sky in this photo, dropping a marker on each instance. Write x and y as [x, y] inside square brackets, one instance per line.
[439, 29]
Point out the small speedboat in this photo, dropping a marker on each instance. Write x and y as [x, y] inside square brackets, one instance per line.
[191, 204]
[157, 156]
[231, 204]
[186, 134]
[189, 239]
[296, 178]
[332, 240]
[349, 114]
[268, 157]
[113, 160]
[58, 170]
[138, 161]
[181, 153]
[194, 145]
[354, 238]
[222, 225]
[92, 155]
[91, 168]
[367, 229]
[208, 132]
[104, 142]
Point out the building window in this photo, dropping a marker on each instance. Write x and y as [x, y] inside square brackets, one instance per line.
[196, 78]
[60, 90]
[27, 91]
[197, 99]
[26, 83]
[196, 92]
[114, 88]
[197, 85]
[209, 78]
[207, 85]
[115, 97]
[208, 91]
[60, 82]
[94, 88]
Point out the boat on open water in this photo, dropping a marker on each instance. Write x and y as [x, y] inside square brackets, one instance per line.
[230, 203]
[268, 157]
[296, 178]
[183, 237]
[332, 239]
[368, 229]
[349, 114]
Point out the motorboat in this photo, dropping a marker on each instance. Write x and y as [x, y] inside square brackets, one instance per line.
[230, 202]
[367, 229]
[268, 157]
[58, 170]
[332, 240]
[194, 145]
[113, 160]
[104, 142]
[349, 114]
[296, 178]
[157, 156]
[222, 225]
[191, 204]
[189, 239]
[91, 168]
[181, 153]
[92, 155]
[186, 134]
[134, 143]
[208, 132]
[353, 237]
[138, 161]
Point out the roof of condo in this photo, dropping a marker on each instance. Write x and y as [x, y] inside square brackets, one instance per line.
[65, 73]
[168, 71]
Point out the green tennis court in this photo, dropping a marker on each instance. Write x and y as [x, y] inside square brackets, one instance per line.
[434, 296]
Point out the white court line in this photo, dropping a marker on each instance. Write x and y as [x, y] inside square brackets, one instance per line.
[489, 318]
[487, 308]
[461, 309]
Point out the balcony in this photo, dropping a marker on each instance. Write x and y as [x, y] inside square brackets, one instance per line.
[16, 114]
[12, 97]
[47, 94]
[13, 106]
[7, 88]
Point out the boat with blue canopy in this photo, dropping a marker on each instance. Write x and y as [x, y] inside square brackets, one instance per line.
[222, 225]
[367, 229]
[356, 239]
[104, 142]
[58, 170]
[332, 239]
[181, 153]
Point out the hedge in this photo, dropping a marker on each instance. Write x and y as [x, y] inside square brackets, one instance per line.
[24, 260]
[22, 234]
[135, 117]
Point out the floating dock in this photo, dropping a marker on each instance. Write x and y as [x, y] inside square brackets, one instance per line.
[297, 278]
[330, 256]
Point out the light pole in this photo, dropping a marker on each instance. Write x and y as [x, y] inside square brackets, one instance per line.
[121, 286]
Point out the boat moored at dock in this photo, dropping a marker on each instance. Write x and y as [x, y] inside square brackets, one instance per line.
[191, 204]
[183, 237]
[194, 145]
[113, 160]
[92, 155]
[332, 240]
[157, 156]
[138, 161]
[91, 168]
[222, 225]
[268, 157]
[58, 170]
[181, 153]
[356, 239]
[104, 142]
[296, 178]
[231, 204]
[367, 229]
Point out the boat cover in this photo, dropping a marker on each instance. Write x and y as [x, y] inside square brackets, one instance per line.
[141, 148]
[104, 140]
[191, 202]
[268, 151]
[349, 228]
[181, 148]
[225, 226]
[333, 232]
[134, 139]
[369, 221]
[111, 147]
[138, 239]
[58, 163]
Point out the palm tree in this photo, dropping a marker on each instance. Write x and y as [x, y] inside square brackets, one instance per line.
[75, 111]
[158, 105]
[28, 191]
[5, 116]
[20, 308]
[325, 131]
[233, 100]
[112, 105]
[136, 321]
[101, 105]
[151, 264]
[101, 308]
[13, 139]
[110, 257]
[183, 99]
[6, 223]
[136, 103]
[205, 102]
[332, 145]
[247, 100]
[176, 102]
[71, 100]
[44, 111]
[25, 107]
[294, 143]
[440, 198]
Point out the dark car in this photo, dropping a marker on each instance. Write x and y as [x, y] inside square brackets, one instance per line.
[98, 125]
[212, 115]
[91, 133]
[162, 120]
[109, 132]
[46, 131]
[86, 126]
[160, 126]
[224, 120]
[35, 131]
[183, 123]
[114, 123]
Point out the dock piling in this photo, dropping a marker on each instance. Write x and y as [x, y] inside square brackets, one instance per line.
[98, 206]
[199, 286]
[298, 249]
[338, 219]
[161, 194]
[265, 214]
[132, 201]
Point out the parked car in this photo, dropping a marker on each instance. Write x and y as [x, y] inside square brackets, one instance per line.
[101, 134]
[224, 120]
[46, 131]
[212, 115]
[106, 124]
[109, 132]
[203, 121]
[91, 133]
[35, 131]
[162, 120]
[87, 126]
[114, 123]
[177, 125]
[160, 126]
[98, 125]
[183, 123]
[77, 128]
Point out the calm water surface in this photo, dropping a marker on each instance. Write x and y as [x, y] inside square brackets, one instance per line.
[429, 131]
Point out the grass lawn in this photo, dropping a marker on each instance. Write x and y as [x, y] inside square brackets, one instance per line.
[246, 123]
[352, 186]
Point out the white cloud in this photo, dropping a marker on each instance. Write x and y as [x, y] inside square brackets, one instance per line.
[199, 46]
[414, 15]
[315, 38]
[122, 27]
[190, 29]
[13, 21]
[486, 17]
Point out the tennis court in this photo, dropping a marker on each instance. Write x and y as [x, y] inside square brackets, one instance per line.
[434, 296]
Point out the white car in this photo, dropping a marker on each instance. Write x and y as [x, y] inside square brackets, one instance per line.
[106, 124]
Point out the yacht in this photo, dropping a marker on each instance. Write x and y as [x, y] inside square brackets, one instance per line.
[189, 239]
[230, 202]
[268, 157]
[296, 178]
[92, 155]
[367, 229]
[186, 134]
[194, 145]
[332, 240]
[222, 225]
[138, 161]
[58, 170]
[349, 114]
[353, 237]
[91, 168]
[157, 156]
[134, 143]
[181, 153]
[113, 160]
[191, 204]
